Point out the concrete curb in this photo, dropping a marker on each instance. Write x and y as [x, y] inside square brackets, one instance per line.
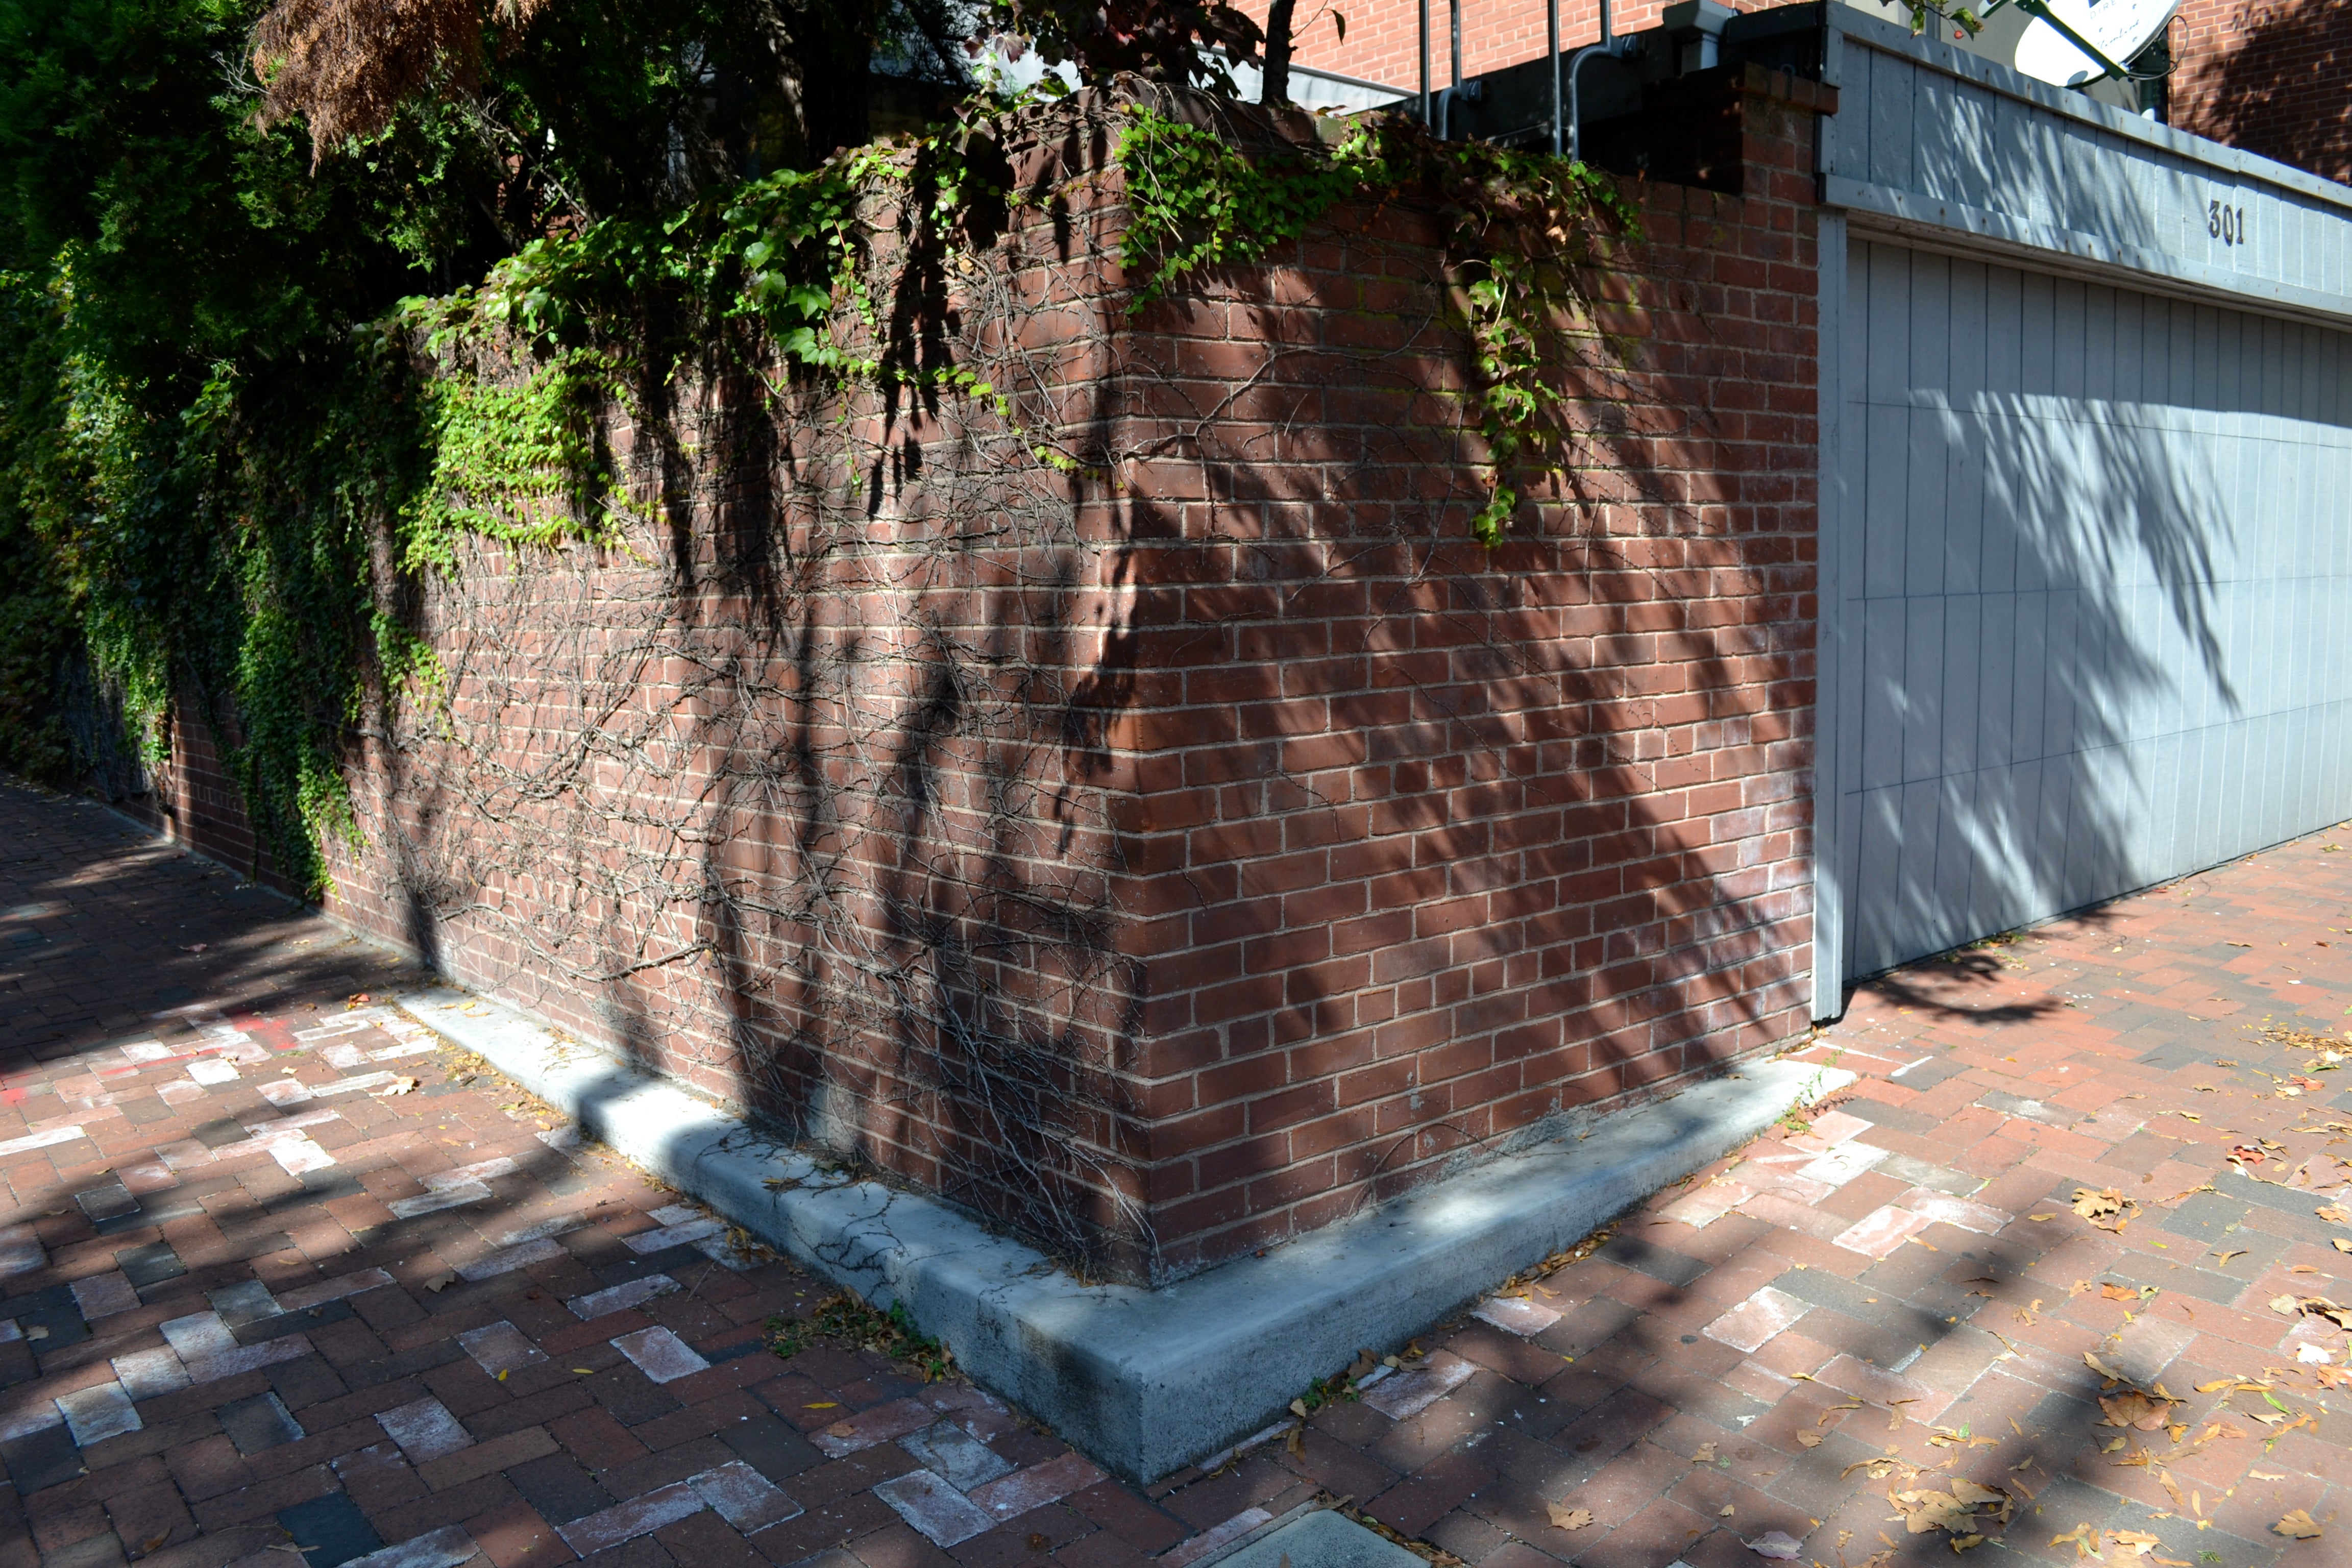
[1144, 1382]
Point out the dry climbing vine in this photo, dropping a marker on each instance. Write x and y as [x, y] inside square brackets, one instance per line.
[765, 714]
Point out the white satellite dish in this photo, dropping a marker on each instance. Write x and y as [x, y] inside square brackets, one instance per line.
[2119, 30]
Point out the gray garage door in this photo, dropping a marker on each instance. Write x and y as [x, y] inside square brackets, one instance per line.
[2092, 615]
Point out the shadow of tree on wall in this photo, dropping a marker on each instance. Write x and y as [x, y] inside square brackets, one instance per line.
[2277, 81]
[2084, 595]
[938, 802]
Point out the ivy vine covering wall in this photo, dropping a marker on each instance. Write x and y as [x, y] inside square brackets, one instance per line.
[1093, 769]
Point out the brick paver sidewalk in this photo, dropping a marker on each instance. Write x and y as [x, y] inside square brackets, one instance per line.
[263, 1299]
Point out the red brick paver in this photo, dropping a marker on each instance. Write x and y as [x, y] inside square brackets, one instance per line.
[261, 1297]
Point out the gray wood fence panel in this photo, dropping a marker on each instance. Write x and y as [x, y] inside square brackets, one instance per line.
[2089, 550]
[1928, 139]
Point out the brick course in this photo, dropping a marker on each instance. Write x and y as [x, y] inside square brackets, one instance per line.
[1306, 848]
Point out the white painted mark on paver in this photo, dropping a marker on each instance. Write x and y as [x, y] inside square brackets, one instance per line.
[366, 1080]
[433, 1202]
[542, 1229]
[179, 1091]
[743, 1497]
[1757, 1318]
[946, 1449]
[1516, 1315]
[284, 1091]
[298, 1154]
[1843, 1164]
[1409, 1393]
[444, 1548]
[500, 1347]
[145, 1051]
[671, 1236]
[1035, 1487]
[1931, 1205]
[1881, 1231]
[620, 1298]
[411, 1049]
[469, 1176]
[41, 1140]
[247, 1302]
[34, 1415]
[940, 1513]
[248, 1358]
[424, 1429]
[302, 1298]
[198, 1334]
[627, 1520]
[98, 1412]
[103, 1295]
[344, 1054]
[868, 1428]
[342, 1287]
[506, 1260]
[146, 1373]
[660, 1354]
[212, 1069]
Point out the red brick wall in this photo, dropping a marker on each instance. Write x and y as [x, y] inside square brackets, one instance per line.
[2274, 77]
[1211, 838]
[1382, 42]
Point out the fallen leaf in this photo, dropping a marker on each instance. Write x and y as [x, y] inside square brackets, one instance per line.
[584, 1371]
[1808, 1440]
[1775, 1544]
[841, 1429]
[2234, 1252]
[440, 1282]
[2267, 1475]
[1706, 1453]
[150, 1545]
[2285, 1305]
[2138, 1542]
[37, 1333]
[401, 1086]
[2132, 1408]
[2298, 1526]
[2083, 1538]
[2119, 1293]
[1565, 1518]
[2037, 1217]
[2096, 1364]
[1726, 1511]
[824, 1404]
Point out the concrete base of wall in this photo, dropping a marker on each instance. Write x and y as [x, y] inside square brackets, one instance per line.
[1144, 1381]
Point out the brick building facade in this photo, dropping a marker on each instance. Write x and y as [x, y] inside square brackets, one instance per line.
[1168, 852]
[2274, 77]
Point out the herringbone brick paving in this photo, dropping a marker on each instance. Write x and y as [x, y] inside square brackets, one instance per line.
[263, 1297]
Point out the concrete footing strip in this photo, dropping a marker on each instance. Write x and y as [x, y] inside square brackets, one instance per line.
[1144, 1381]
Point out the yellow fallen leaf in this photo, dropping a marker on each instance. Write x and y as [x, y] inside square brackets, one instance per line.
[584, 1371]
[1565, 1518]
[1724, 1512]
[2037, 1218]
[824, 1404]
[2083, 1538]
[2298, 1526]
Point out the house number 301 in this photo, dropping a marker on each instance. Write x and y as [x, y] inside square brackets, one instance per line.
[2225, 224]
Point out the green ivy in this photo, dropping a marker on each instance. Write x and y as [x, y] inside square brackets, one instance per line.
[1526, 228]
